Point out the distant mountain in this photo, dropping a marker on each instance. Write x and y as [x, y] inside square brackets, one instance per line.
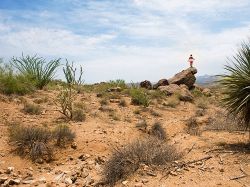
[206, 79]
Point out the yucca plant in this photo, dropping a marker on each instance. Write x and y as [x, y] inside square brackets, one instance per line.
[236, 84]
[36, 68]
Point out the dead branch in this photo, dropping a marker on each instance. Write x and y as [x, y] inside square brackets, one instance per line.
[238, 177]
[198, 160]
[241, 176]
[191, 148]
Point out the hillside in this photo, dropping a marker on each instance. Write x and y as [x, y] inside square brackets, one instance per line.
[212, 149]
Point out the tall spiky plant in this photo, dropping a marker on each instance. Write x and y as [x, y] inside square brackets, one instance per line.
[68, 93]
[236, 84]
[36, 68]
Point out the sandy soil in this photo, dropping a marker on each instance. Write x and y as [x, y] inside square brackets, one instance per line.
[100, 133]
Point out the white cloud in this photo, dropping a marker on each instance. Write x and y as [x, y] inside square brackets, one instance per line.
[49, 42]
[191, 5]
[144, 39]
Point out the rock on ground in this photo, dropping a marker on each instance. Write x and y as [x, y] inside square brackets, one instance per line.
[162, 82]
[184, 77]
[146, 84]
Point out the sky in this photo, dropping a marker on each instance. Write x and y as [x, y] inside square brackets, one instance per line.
[133, 40]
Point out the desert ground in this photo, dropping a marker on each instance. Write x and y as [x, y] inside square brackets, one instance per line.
[215, 152]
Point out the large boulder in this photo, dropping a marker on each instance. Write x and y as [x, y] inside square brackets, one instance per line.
[169, 89]
[146, 84]
[184, 77]
[185, 94]
[162, 82]
[182, 91]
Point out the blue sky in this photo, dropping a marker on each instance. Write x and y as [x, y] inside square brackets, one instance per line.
[126, 39]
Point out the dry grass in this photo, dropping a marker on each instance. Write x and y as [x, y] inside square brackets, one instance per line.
[221, 121]
[37, 142]
[202, 102]
[192, 127]
[33, 109]
[158, 131]
[126, 160]
[63, 134]
[78, 115]
[172, 101]
[123, 103]
[32, 141]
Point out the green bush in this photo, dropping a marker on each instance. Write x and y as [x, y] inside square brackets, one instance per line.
[117, 83]
[11, 83]
[139, 97]
[36, 69]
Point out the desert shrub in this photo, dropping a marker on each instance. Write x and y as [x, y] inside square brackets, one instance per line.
[236, 85]
[118, 83]
[78, 115]
[200, 112]
[68, 94]
[123, 103]
[197, 93]
[11, 83]
[222, 121]
[104, 101]
[70, 74]
[142, 125]
[32, 109]
[104, 87]
[126, 160]
[172, 101]
[41, 100]
[155, 113]
[32, 141]
[202, 102]
[65, 100]
[157, 94]
[36, 69]
[113, 96]
[80, 105]
[63, 134]
[137, 111]
[192, 127]
[158, 131]
[114, 116]
[139, 97]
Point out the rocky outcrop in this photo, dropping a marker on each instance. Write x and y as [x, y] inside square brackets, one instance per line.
[184, 77]
[162, 82]
[146, 84]
[169, 89]
[182, 91]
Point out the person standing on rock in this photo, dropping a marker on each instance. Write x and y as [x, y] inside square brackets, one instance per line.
[191, 60]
